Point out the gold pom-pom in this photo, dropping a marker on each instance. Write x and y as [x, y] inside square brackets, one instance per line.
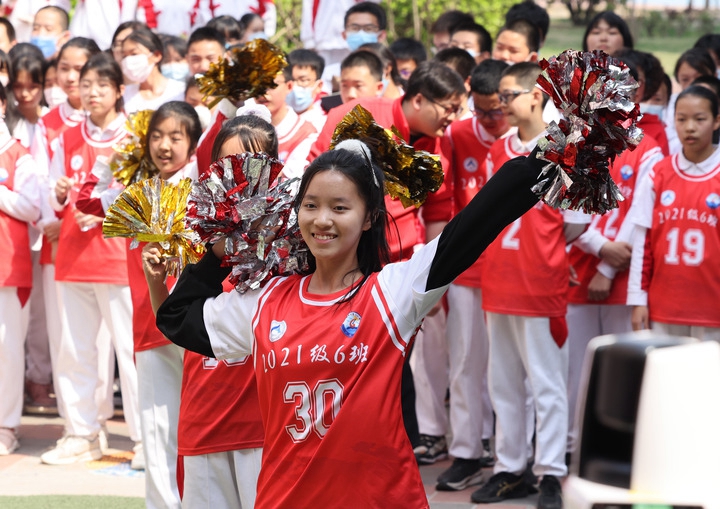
[250, 72]
[409, 174]
[132, 162]
[154, 211]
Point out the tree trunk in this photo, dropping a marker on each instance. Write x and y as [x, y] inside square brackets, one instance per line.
[416, 20]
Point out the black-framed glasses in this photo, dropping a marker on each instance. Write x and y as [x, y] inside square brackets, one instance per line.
[453, 109]
[495, 114]
[509, 96]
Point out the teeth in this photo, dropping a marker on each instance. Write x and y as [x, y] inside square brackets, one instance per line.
[324, 237]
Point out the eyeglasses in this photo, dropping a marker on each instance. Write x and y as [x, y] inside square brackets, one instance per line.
[453, 109]
[495, 114]
[365, 28]
[509, 96]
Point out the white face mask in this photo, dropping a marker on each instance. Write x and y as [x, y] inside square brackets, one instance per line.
[54, 96]
[137, 68]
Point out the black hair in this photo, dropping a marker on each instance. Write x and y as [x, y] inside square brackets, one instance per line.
[254, 133]
[668, 85]
[697, 58]
[89, 46]
[387, 59]
[364, 58]
[28, 58]
[5, 64]
[447, 21]
[147, 39]
[248, 18]
[485, 78]
[207, 34]
[650, 66]
[531, 12]
[710, 42]
[106, 67]
[173, 41]
[703, 93]
[64, 16]
[434, 81]
[9, 29]
[184, 114]
[407, 48]
[528, 30]
[483, 36]
[711, 82]
[457, 59]
[368, 8]
[228, 26]
[614, 21]
[133, 25]
[372, 251]
[307, 58]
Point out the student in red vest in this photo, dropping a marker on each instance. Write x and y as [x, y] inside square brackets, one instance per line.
[91, 272]
[19, 205]
[220, 433]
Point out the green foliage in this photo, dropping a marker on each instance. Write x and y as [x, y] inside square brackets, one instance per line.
[401, 21]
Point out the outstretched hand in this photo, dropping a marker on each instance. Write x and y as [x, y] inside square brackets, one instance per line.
[154, 262]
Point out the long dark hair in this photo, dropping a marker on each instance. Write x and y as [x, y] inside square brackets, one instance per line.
[372, 251]
[255, 134]
[613, 21]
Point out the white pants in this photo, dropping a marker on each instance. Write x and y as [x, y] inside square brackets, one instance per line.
[585, 322]
[456, 359]
[523, 347]
[159, 373]
[223, 480]
[84, 307]
[13, 327]
[38, 366]
[106, 356]
[694, 331]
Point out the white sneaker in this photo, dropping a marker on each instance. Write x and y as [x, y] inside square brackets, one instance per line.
[8, 441]
[138, 461]
[71, 449]
[103, 439]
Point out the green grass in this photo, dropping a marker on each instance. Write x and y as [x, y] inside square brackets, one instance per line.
[71, 502]
[563, 35]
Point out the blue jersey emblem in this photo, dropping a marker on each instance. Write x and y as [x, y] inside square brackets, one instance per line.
[3, 175]
[626, 172]
[713, 201]
[277, 330]
[350, 326]
[667, 197]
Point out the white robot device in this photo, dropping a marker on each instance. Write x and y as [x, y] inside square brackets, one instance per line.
[649, 425]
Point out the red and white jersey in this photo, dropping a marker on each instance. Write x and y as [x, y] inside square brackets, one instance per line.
[51, 126]
[219, 406]
[19, 204]
[654, 127]
[469, 145]
[627, 171]
[526, 267]
[328, 372]
[682, 247]
[295, 137]
[85, 256]
[222, 112]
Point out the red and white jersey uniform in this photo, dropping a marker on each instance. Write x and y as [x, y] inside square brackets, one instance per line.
[51, 126]
[526, 267]
[627, 171]
[682, 248]
[86, 257]
[469, 145]
[224, 111]
[295, 137]
[328, 374]
[219, 407]
[19, 204]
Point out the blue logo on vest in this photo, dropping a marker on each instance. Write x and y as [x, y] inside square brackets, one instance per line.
[713, 201]
[3, 175]
[351, 324]
[667, 197]
[626, 172]
[277, 330]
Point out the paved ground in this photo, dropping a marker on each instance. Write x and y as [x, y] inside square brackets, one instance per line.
[23, 474]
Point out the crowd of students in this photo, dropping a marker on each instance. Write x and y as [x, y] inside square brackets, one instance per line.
[492, 376]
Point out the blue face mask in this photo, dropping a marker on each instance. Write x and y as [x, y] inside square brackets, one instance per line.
[175, 70]
[46, 43]
[653, 109]
[357, 39]
[299, 98]
[257, 35]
